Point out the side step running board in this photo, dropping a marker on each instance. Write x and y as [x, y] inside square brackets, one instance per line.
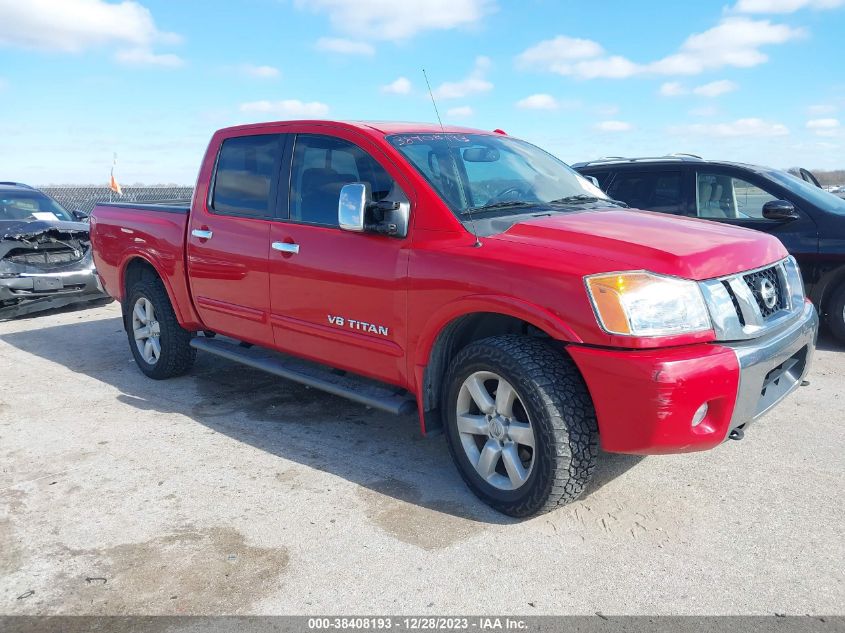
[368, 392]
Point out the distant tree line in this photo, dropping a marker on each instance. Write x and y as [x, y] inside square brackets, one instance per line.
[826, 178]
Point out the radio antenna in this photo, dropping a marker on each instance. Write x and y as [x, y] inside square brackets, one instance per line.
[443, 130]
[433, 102]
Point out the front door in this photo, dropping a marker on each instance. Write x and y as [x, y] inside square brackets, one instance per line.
[737, 197]
[337, 297]
[228, 241]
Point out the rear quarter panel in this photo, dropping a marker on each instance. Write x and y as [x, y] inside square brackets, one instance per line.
[120, 235]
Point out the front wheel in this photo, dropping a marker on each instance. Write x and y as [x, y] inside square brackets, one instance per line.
[161, 346]
[521, 426]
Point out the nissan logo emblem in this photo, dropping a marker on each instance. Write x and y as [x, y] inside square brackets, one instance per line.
[768, 293]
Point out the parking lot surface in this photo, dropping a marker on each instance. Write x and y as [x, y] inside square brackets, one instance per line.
[231, 491]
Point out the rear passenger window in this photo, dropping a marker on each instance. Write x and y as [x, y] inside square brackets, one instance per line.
[654, 191]
[321, 166]
[246, 169]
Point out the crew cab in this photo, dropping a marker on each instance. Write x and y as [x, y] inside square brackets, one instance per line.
[469, 276]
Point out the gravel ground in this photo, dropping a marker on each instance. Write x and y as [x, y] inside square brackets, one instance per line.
[230, 491]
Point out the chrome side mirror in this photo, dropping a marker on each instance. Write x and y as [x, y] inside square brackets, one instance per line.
[352, 206]
[593, 180]
[357, 212]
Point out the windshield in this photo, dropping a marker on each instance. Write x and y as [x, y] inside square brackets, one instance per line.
[819, 197]
[479, 173]
[31, 205]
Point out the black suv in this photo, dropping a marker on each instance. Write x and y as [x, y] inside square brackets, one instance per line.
[808, 220]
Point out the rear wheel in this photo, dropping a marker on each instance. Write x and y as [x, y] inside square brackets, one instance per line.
[836, 313]
[160, 346]
[520, 424]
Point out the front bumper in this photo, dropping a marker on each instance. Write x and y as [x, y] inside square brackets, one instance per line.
[26, 293]
[645, 401]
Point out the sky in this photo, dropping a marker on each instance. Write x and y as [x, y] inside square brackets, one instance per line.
[760, 81]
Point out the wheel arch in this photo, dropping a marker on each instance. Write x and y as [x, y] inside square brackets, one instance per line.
[450, 331]
[135, 267]
[824, 290]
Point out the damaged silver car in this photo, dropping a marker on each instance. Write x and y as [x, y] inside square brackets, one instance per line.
[45, 254]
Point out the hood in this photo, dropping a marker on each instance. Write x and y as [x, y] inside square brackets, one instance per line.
[644, 240]
[26, 230]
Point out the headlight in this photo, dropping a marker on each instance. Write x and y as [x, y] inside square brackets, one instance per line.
[646, 304]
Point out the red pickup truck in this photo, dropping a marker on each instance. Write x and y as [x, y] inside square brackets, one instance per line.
[469, 276]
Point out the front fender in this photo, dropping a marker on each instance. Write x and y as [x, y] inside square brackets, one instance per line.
[537, 316]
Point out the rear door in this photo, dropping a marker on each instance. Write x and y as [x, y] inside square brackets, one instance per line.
[338, 297]
[655, 189]
[228, 242]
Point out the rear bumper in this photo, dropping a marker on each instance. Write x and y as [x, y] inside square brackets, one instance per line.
[645, 401]
[25, 293]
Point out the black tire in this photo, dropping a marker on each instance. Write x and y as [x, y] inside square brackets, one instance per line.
[559, 408]
[177, 355]
[836, 313]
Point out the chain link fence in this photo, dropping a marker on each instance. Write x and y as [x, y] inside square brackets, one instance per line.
[79, 198]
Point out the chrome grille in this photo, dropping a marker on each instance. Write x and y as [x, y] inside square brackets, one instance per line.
[766, 278]
[734, 301]
[738, 303]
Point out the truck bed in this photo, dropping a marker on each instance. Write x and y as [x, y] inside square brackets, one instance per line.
[151, 233]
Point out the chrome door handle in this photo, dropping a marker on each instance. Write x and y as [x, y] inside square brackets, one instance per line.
[286, 247]
[203, 234]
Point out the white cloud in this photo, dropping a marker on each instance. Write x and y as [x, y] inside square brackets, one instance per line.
[145, 57]
[400, 86]
[286, 109]
[613, 67]
[821, 108]
[461, 112]
[389, 20]
[558, 54]
[75, 25]
[824, 127]
[614, 126]
[538, 102]
[751, 127]
[258, 72]
[715, 88]
[784, 6]
[344, 47]
[672, 89]
[734, 42]
[474, 83]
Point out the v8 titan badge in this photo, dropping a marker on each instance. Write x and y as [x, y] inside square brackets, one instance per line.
[361, 326]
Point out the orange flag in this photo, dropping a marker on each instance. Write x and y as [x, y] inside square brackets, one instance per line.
[114, 185]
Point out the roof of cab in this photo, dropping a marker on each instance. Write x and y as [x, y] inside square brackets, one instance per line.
[381, 128]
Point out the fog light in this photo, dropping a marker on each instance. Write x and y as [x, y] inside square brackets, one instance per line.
[699, 415]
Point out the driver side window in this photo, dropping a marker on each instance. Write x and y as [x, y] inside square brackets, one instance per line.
[720, 196]
[321, 166]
